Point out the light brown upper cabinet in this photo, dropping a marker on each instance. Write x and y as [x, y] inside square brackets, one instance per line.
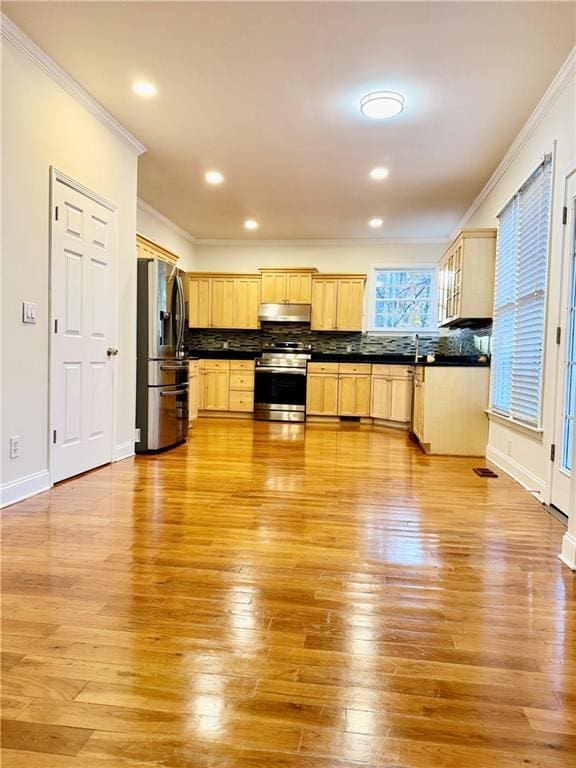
[287, 286]
[147, 249]
[223, 301]
[199, 302]
[246, 302]
[466, 278]
[337, 302]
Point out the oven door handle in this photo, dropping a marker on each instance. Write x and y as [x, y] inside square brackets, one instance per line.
[291, 371]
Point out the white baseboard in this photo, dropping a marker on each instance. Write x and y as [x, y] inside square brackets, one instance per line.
[568, 554]
[123, 451]
[535, 485]
[24, 487]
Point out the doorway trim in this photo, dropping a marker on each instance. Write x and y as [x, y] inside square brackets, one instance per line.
[568, 176]
[56, 175]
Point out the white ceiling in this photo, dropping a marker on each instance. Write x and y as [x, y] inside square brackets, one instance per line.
[267, 93]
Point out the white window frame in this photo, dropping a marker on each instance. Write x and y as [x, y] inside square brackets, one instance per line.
[371, 299]
[514, 421]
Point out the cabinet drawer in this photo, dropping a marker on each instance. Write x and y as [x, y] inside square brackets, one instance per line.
[323, 367]
[241, 401]
[241, 381]
[419, 374]
[381, 370]
[241, 365]
[216, 365]
[401, 371]
[355, 368]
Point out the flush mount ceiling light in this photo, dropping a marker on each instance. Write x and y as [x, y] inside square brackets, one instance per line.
[143, 88]
[251, 224]
[379, 173]
[382, 104]
[376, 223]
[213, 177]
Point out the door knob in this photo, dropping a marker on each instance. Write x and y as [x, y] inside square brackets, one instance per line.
[111, 352]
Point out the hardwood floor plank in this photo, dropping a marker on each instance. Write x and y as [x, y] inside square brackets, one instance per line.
[279, 596]
[34, 736]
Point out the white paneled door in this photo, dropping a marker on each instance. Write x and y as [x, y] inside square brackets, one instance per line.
[83, 264]
[566, 417]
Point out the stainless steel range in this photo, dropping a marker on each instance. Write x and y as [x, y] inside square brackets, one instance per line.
[280, 381]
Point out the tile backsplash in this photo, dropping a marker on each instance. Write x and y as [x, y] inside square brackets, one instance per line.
[454, 342]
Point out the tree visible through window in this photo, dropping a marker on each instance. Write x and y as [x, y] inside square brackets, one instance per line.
[403, 299]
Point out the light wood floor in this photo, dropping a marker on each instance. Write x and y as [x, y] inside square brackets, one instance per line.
[273, 596]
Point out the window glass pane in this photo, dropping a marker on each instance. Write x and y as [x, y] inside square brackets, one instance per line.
[403, 299]
[570, 380]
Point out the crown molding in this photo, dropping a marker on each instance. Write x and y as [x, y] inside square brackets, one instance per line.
[558, 85]
[14, 35]
[147, 208]
[328, 242]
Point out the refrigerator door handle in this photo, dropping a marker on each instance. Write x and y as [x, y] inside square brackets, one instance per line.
[174, 393]
[180, 291]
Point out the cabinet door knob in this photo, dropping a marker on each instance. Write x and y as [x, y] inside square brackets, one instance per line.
[111, 352]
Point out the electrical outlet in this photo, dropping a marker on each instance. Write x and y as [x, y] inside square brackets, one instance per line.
[137, 435]
[15, 447]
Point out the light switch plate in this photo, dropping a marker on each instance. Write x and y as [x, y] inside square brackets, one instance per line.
[15, 446]
[28, 312]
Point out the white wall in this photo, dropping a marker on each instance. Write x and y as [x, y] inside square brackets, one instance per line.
[164, 232]
[344, 257]
[42, 125]
[526, 456]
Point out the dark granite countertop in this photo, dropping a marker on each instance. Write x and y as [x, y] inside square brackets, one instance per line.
[345, 357]
[392, 359]
[224, 354]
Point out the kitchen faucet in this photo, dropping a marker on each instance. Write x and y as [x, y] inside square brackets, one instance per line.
[416, 347]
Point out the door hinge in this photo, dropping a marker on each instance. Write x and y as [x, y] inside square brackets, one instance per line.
[56, 325]
[56, 213]
[558, 335]
[54, 436]
[552, 452]
[564, 215]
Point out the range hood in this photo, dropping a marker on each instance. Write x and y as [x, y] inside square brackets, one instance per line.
[284, 313]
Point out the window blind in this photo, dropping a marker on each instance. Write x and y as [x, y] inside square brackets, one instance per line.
[520, 300]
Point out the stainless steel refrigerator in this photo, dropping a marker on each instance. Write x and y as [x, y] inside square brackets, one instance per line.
[162, 366]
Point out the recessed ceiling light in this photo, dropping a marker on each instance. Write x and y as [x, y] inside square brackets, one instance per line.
[379, 173]
[251, 224]
[143, 88]
[381, 104]
[213, 177]
[376, 223]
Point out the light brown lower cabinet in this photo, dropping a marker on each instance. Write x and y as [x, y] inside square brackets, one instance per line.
[338, 389]
[450, 409]
[193, 385]
[391, 393]
[226, 386]
[354, 394]
[322, 394]
[215, 390]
